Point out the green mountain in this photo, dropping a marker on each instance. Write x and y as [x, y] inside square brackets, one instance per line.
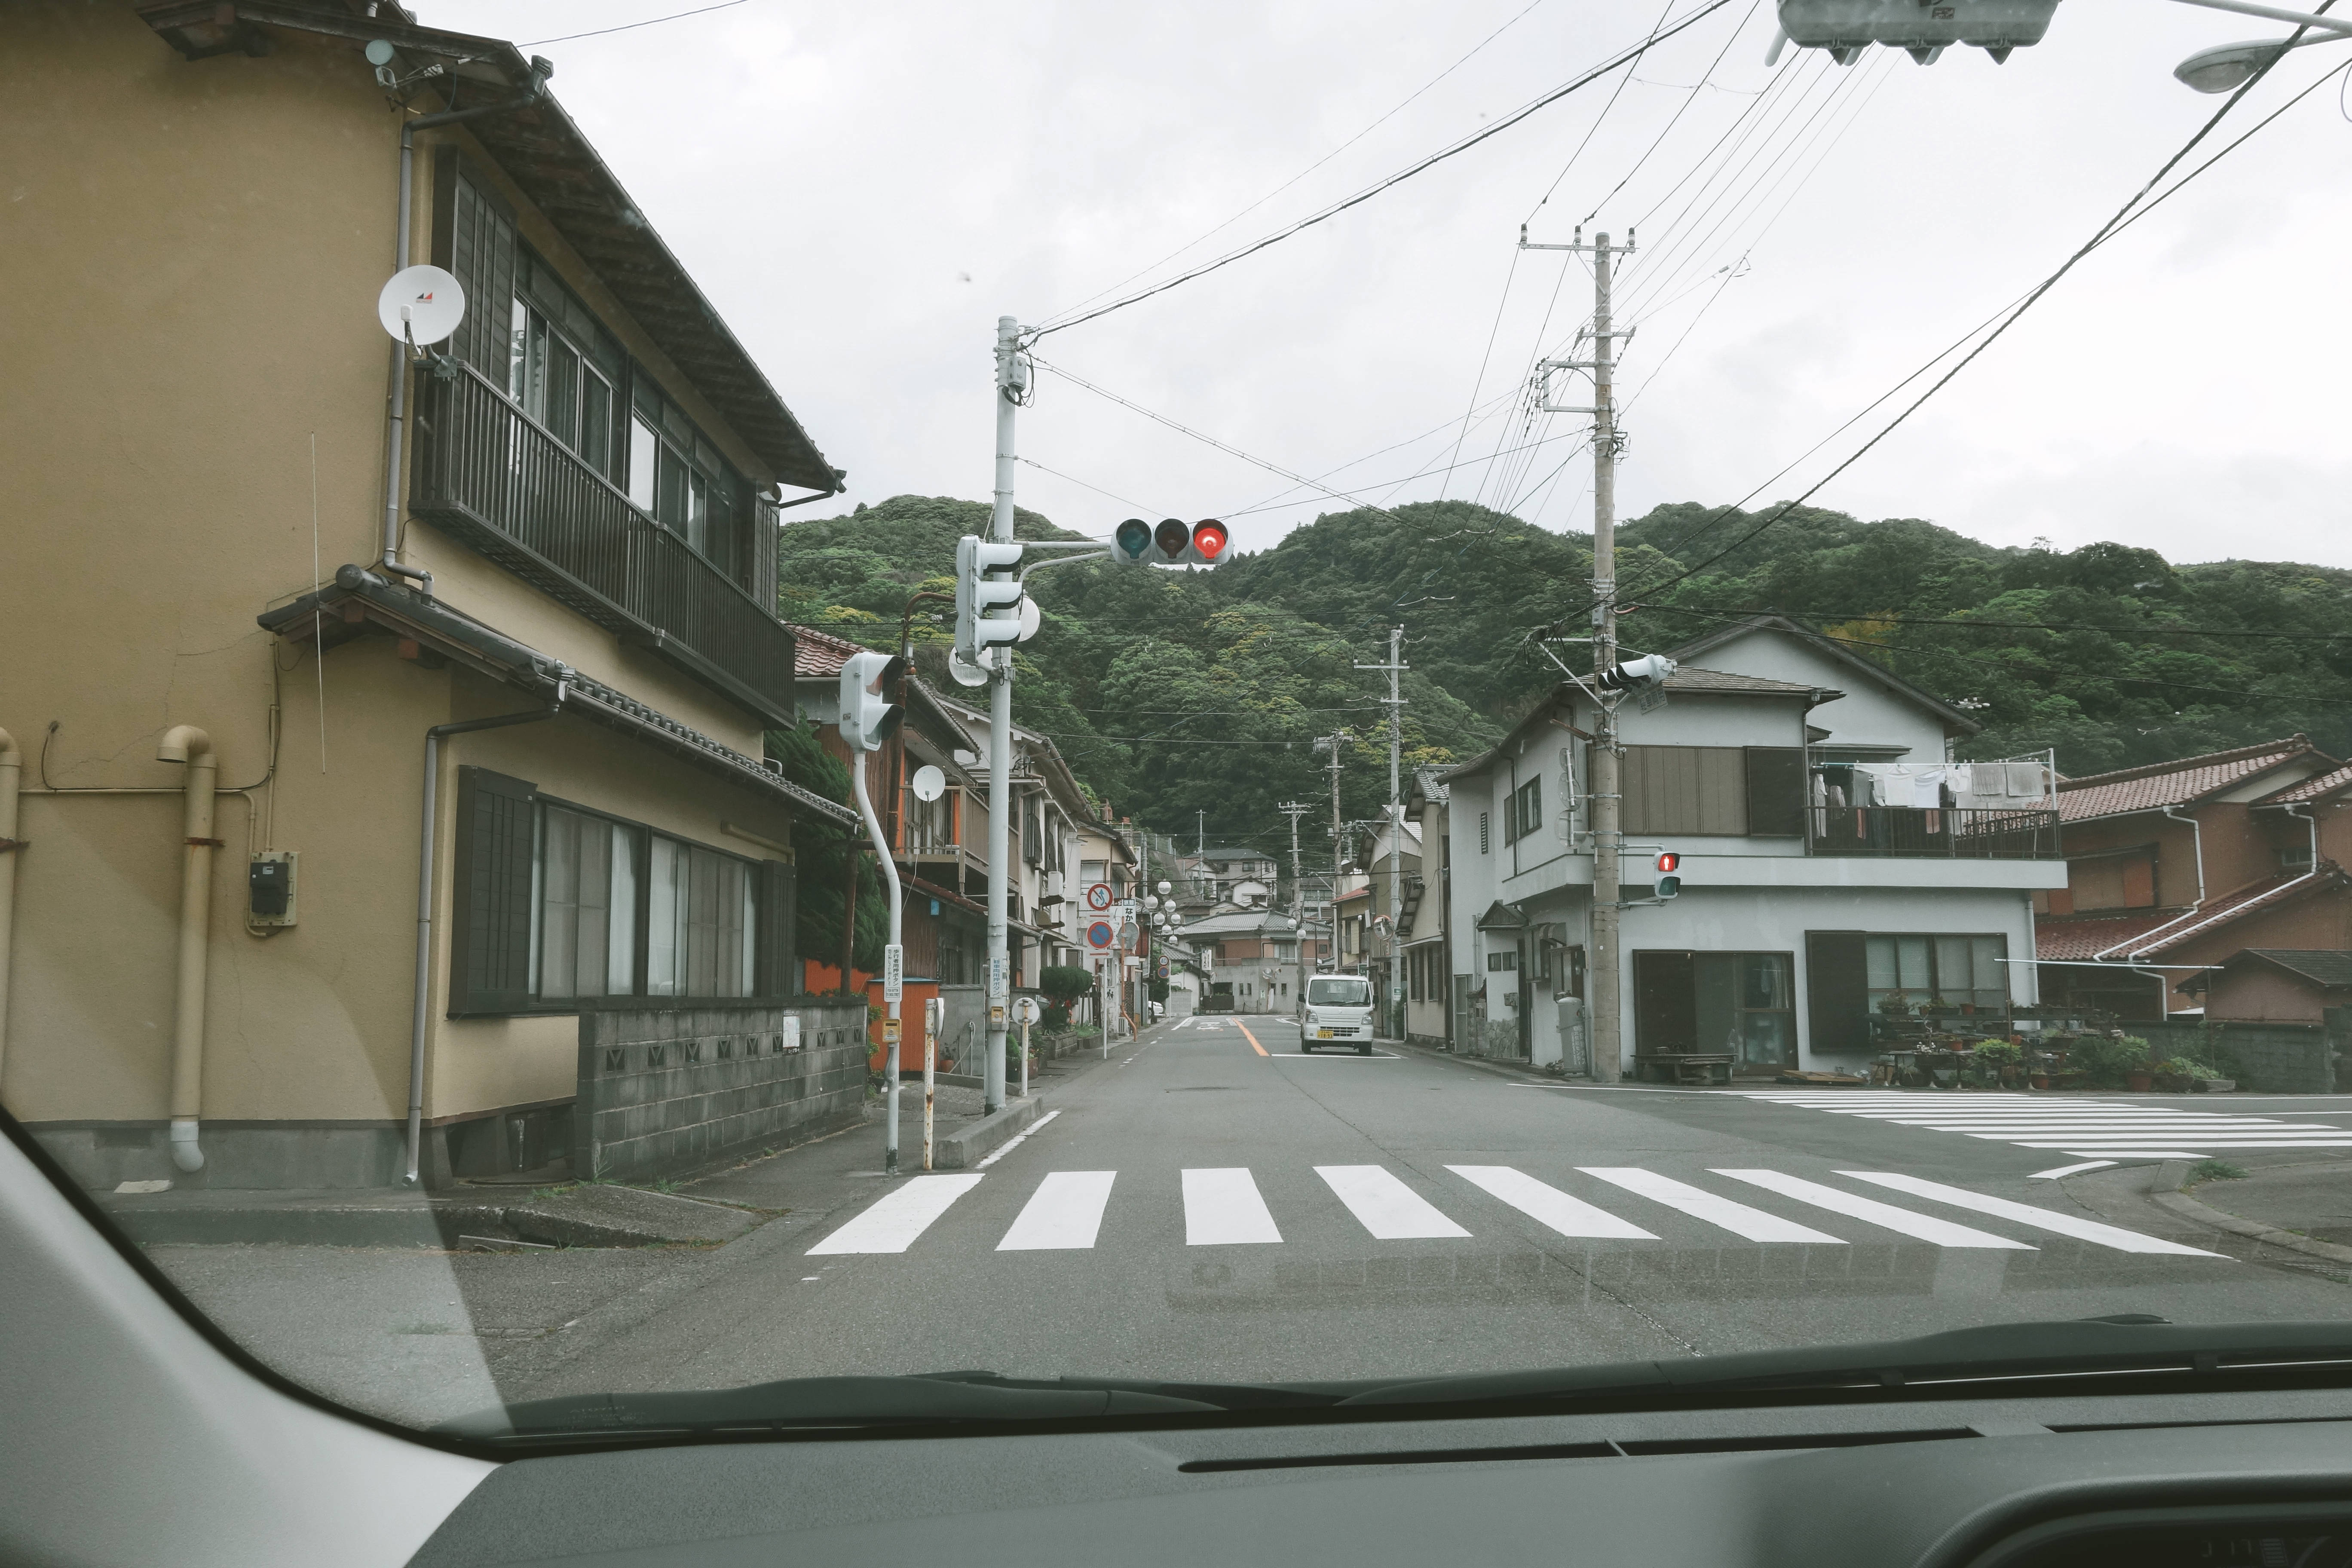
[1173, 691]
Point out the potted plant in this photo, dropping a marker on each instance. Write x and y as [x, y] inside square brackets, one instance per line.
[2003, 1057]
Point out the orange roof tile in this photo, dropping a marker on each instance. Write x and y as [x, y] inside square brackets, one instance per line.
[2157, 785]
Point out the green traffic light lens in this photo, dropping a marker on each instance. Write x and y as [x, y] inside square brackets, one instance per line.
[1133, 538]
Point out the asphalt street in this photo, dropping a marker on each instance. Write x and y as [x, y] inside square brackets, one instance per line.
[1212, 1203]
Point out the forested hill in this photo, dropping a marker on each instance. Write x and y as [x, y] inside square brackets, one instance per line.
[1172, 690]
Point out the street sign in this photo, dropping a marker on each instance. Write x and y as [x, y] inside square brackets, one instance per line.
[1100, 936]
[1099, 897]
[893, 973]
[1128, 909]
[996, 977]
[1026, 1010]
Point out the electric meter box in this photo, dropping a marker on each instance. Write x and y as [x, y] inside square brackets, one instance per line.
[269, 888]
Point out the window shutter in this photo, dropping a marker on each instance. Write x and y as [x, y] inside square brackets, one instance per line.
[474, 238]
[1837, 992]
[489, 927]
[780, 969]
[1775, 792]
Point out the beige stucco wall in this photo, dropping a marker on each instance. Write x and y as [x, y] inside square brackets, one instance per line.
[195, 250]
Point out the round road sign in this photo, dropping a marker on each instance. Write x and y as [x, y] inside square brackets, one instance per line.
[1100, 935]
[1099, 897]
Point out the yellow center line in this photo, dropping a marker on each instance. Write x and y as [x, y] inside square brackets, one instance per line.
[1250, 1038]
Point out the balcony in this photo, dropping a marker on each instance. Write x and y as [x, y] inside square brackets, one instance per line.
[488, 474]
[1917, 831]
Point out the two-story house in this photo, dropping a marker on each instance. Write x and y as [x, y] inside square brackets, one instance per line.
[383, 708]
[1423, 931]
[2173, 868]
[1832, 859]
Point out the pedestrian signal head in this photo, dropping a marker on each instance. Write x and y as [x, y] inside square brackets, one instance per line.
[868, 717]
[1669, 861]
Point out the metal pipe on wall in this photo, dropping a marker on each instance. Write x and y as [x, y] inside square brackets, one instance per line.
[420, 1001]
[12, 772]
[187, 744]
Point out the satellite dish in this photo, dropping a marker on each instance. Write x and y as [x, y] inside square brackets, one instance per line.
[1030, 619]
[929, 782]
[421, 305]
[965, 672]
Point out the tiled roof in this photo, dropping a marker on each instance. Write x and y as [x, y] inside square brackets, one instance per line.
[2151, 935]
[817, 654]
[2159, 785]
[2331, 967]
[1691, 678]
[2312, 788]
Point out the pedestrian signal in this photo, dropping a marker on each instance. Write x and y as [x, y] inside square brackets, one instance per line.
[1668, 884]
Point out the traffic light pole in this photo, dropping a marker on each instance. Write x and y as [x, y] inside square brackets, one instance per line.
[1009, 382]
[890, 990]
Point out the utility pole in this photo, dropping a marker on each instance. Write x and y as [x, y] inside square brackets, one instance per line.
[1200, 833]
[1604, 966]
[1012, 377]
[1395, 703]
[1295, 809]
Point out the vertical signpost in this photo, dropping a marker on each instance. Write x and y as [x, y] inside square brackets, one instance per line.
[1102, 939]
[930, 1047]
[1026, 1010]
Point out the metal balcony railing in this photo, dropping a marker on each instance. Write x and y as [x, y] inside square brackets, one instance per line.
[500, 482]
[1907, 830]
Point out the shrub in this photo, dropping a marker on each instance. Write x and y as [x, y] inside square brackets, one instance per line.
[1066, 983]
[2108, 1061]
[1058, 1016]
[1999, 1053]
[2188, 1066]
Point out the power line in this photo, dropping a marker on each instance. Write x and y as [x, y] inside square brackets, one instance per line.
[1597, 121]
[631, 26]
[1693, 92]
[1706, 8]
[2105, 231]
[1898, 618]
[1310, 168]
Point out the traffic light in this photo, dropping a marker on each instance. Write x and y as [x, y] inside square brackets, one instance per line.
[1174, 542]
[1638, 674]
[988, 598]
[1668, 883]
[1848, 27]
[868, 717]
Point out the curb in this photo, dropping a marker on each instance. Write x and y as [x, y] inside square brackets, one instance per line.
[1480, 1064]
[961, 1150]
[425, 1224]
[2164, 1190]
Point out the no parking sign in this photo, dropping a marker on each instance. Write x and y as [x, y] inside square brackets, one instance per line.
[1100, 936]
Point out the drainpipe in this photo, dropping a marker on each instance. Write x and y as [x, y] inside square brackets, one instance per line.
[396, 417]
[187, 744]
[427, 832]
[2197, 832]
[11, 769]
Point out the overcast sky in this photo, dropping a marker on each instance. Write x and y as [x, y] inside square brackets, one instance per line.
[863, 190]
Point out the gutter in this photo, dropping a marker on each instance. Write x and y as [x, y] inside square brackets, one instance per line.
[396, 414]
[2196, 828]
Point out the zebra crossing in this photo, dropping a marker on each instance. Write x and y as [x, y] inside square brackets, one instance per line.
[2090, 1129]
[1224, 1206]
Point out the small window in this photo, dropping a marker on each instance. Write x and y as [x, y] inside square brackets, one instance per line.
[1485, 845]
[1505, 963]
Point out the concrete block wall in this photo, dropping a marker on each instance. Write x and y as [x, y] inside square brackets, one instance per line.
[664, 1092]
[2268, 1059]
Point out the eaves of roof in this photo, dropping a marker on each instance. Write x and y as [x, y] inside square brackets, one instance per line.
[361, 600]
[2185, 781]
[1706, 642]
[2147, 938]
[551, 162]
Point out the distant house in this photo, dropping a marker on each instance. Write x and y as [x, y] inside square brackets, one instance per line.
[1249, 957]
[1834, 862]
[2276, 986]
[2176, 867]
[1424, 929]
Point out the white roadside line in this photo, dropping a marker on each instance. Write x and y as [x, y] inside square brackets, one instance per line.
[2070, 1170]
[1023, 1137]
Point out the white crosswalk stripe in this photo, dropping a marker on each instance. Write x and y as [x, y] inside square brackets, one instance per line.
[1385, 1205]
[2122, 1240]
[2091, 1128]
[1222, 1208]
[892, 1224]
[1902, 1222]
[1067, 1210]
[1064, 1214]
[1753, 1225]
[1549, 1205]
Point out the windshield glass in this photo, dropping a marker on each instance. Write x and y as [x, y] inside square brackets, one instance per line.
[595, 845]
[1332, 991]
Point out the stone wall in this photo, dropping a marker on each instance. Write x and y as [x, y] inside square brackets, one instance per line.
[665, 1092]
[2265, 1058]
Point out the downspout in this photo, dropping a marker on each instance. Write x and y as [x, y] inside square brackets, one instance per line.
[11, 769]
[420, 1001]
[2190, 913]
[398, 403]
[187, 744]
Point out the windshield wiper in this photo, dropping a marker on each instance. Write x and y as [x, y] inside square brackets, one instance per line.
[2092, 1347]
[2130, 1344]
[922, 1398]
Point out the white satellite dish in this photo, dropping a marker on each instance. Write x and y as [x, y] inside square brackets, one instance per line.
[421, 305]
[929, 782]
[965, 672]
[1030, 619]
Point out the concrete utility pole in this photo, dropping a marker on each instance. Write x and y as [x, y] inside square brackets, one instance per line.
[1010, 377]
[1604, 966]
[1395, 704]
[1295, 809]
[1200, 833]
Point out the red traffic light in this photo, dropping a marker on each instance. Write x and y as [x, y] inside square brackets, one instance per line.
[1209, 539]
[1668, 860]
